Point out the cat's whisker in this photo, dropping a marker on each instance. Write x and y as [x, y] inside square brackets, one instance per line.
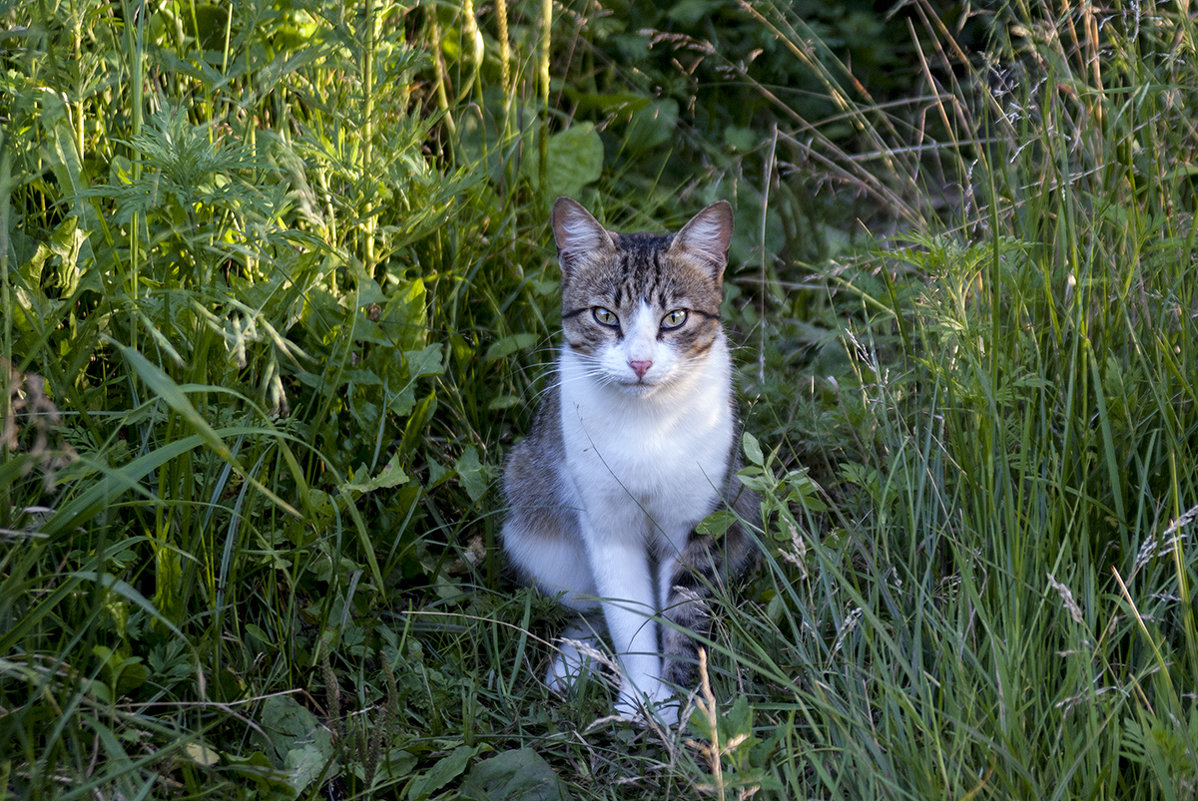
[597, 375]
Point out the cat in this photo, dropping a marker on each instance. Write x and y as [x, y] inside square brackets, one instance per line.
[633, 445]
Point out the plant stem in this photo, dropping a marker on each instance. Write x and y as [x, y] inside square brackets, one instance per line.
[368, 132]
[442, 74]
[477, 53]
[6, 365]
[77, 46]
[505, 58]
[134, 46]
[546, 37]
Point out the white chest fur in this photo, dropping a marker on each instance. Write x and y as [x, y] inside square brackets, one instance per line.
[657, 462]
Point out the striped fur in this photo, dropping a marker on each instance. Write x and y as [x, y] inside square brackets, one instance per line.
[633, 446]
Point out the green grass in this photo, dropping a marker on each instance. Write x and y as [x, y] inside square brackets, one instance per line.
[278, 293]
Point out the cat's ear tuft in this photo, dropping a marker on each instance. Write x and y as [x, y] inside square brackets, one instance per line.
[579, 236]
[706, 237]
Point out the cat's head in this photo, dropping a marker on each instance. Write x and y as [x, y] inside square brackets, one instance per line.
[640, 309]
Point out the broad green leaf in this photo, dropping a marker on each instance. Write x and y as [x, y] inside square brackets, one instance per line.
[755, 479]
[442, 773]
[739, 717]
[752, 449]
[123, 673]
[508, 345]
[201, 755]
[717, 523]
[573, 159]
[392, 475]
[503, 402]
[426, 361]
[520, 775]
[67, 245]
[305, 763]
[256, 631]
[257, 766]
[739, 138]
[362, 378]
[437, 473]
[804, 490]
[402, 402]
[406, 315]
[368, 291]
[396, 762]
[303, 746]
[474, 475]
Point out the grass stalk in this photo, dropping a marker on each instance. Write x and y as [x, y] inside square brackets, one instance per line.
[543, 59]
[6, 332]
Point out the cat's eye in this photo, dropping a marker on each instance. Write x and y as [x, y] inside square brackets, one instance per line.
[674, 319]
[605, 316]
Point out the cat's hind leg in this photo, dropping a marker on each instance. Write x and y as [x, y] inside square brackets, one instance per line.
[547, 555]
[687, 613]
[543, 550]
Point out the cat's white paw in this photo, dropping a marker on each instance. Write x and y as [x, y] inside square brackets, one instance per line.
[658, 703]
[577, 651]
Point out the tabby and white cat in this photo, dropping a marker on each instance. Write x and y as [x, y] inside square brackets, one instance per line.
[631, 448]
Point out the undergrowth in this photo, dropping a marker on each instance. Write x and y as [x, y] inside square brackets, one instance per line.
[277, 296]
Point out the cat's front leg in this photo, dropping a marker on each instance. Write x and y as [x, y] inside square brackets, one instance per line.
[624, 579]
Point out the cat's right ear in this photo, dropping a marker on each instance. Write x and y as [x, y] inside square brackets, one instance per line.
[579, 236]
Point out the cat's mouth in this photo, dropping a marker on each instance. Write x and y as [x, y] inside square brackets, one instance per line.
[639, 388]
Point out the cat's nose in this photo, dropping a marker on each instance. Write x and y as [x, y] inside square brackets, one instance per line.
[640, 367]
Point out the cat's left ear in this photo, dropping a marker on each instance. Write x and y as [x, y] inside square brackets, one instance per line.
[706, 237]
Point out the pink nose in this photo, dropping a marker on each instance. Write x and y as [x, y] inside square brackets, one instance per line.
[640, 368]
